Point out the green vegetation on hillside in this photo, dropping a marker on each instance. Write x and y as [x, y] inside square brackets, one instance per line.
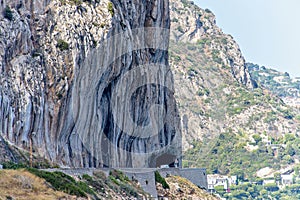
[110, 8]
[92, 187]
[228, 121]
[279, 83]
[227, 155]
[161, 180]
[62, 45]
[253, 191]
[63, 182]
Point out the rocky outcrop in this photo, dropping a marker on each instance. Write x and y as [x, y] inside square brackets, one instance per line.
[213, 88]
[79, 81]
[193, 24]
[279, 83]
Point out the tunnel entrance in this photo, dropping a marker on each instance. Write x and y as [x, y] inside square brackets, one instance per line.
[166, 160]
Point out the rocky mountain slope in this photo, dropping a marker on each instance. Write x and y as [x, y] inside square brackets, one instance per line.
[34, 184]
[217, 98]
[181, 188]
[23, 185]
[279, 83]
[214, 89]
[63, 66]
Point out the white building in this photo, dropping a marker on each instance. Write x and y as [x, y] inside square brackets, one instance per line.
[214, 180]
[286, 179]
[268, 181]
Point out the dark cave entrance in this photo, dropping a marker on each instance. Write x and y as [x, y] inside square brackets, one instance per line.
[167, 160]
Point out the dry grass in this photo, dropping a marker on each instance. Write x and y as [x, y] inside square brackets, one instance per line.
[181, 188]
[188, 189]
[20, 184]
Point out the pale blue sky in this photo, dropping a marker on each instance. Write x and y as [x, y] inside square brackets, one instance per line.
[267, 31]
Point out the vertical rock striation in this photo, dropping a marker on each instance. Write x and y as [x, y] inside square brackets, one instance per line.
[87, 83]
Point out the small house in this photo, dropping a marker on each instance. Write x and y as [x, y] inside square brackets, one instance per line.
[286, 179]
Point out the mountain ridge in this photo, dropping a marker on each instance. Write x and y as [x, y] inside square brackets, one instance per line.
[279, 83]
[223, 110]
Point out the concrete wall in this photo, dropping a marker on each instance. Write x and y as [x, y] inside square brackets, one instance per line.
[145, 177]
[197, 176]
[168, 171]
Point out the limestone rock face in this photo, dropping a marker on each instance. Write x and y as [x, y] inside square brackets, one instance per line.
[34, 6]
[192, 24]
[86, 82]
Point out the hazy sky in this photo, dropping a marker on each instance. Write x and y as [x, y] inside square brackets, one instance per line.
[267, 31]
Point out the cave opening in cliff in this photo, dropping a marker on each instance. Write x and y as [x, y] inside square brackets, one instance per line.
[166, 159]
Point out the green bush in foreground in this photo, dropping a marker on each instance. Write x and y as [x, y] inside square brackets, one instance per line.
[160, 179]
[12, 165]
[63, 182]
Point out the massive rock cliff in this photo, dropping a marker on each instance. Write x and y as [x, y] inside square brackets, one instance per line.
[86, 84]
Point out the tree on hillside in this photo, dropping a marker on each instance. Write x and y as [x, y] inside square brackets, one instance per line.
[257, 138]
